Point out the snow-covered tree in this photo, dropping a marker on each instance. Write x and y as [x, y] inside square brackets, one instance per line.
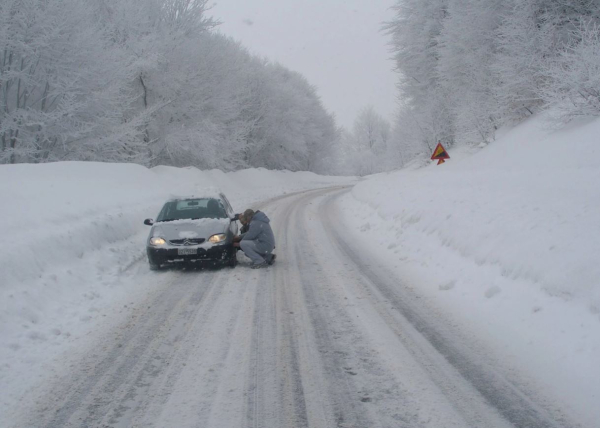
[61, 87]
[470, 66]
[371, 134]
[572, 87]
[467, 44]
[367, 149]
[415, 31]
[147, 81]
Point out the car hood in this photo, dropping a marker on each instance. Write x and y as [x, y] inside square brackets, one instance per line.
[181, 229]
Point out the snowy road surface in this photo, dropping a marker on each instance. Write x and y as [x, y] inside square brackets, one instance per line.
[325, 338]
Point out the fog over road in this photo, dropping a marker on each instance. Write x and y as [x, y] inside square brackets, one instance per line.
[327, 337]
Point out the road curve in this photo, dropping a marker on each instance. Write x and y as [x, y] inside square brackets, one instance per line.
[324, 338]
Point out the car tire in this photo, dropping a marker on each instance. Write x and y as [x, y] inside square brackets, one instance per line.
[233, 261]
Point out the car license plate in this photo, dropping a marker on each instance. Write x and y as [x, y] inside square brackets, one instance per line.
[186, 251]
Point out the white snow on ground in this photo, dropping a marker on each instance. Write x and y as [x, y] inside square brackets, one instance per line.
[504, 239]
[72, 235]
[507, 241]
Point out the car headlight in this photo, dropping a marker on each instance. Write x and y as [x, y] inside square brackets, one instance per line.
[157, 242]
[217, 239]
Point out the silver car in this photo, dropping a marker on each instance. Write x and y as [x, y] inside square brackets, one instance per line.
[197, 231]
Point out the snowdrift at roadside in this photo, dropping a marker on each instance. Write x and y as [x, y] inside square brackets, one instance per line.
[73, 232]
[507, 240]
[55, 213]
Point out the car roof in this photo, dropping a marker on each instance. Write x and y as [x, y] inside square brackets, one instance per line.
[191, 198]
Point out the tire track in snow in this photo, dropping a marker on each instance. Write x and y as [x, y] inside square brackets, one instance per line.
[123, 369]
[287, 379]
[309, 391]
[322, 339]
[338, 390]
[276, 396]
[411, 323]
[176, 364]
[361, 390]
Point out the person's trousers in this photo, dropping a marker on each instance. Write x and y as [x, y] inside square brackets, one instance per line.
[249, 249]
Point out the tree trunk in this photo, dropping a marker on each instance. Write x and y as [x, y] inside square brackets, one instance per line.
[146, 131]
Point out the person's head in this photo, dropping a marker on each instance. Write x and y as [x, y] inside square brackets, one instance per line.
[246, 217]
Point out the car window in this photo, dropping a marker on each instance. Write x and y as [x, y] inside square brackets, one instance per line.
[187, 209]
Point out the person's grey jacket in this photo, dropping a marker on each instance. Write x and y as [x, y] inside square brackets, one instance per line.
[260, 231]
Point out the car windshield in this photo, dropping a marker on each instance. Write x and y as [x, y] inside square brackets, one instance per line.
[191, 209]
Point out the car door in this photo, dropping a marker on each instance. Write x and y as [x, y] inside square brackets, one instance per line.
[233, 226]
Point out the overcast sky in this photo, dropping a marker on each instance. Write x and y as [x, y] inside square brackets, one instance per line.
[336, 44]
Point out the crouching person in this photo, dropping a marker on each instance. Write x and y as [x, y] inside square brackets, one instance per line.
[258, 242]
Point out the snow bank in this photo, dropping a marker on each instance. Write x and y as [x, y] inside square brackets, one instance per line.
[508, 241]
[72, 235]
[55, 213]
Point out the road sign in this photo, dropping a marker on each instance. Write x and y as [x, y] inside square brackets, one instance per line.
[440, 154]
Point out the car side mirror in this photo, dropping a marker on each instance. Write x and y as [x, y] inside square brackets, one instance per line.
[148, 222]
[235, 217]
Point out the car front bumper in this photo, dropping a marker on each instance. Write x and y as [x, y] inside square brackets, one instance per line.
[216, 255]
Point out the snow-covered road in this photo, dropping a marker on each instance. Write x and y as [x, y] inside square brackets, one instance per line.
[327, 337]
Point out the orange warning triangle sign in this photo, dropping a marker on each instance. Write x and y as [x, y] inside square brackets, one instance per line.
[440, 153]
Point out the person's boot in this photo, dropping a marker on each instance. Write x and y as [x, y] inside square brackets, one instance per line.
[272, 259]
[259, 265]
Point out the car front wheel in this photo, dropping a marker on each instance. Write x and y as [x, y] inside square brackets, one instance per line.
[233, 260]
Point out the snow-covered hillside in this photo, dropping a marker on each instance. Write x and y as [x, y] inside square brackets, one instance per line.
[506, 238]
[73, 232]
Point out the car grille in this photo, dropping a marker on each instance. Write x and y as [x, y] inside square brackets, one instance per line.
[187, 241]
